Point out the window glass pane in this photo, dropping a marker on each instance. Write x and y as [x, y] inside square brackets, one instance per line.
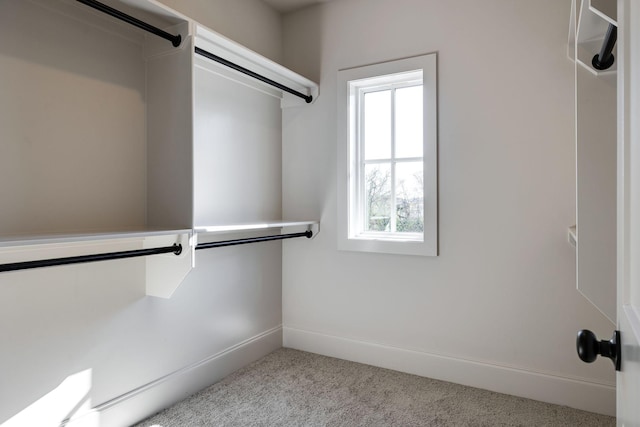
[409, 197]
[409, 122]
[377, 125]
[377, 193]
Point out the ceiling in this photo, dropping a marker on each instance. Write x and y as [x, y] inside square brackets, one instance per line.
[285, 6]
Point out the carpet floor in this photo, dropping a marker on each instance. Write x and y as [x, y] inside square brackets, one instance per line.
[294, 388]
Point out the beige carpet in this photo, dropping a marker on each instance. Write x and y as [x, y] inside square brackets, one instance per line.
[294, 388]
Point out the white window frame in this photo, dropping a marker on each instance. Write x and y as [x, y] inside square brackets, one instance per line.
[351, 234]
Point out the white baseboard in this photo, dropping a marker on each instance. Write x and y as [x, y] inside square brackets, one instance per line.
[579, 394]
[148, 399]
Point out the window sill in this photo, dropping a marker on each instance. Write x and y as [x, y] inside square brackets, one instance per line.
[390, 237]
[388, 246]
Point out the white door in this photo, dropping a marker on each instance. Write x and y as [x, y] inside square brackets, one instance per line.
[628, 255]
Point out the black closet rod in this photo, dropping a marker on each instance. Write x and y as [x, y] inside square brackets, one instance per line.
[605, 59]
[175, 40]
[206, 54]
[307, 234]
[175, 248]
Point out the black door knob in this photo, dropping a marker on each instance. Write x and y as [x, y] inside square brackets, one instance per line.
[589, 348]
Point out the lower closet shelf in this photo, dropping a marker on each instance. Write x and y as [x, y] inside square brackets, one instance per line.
[310, 225]
[168, 255]
[162, 256]
[215, 236]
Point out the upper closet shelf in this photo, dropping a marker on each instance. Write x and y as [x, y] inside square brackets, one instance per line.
[175, 39]
[229, 56]
[592, 35]
[129, 163]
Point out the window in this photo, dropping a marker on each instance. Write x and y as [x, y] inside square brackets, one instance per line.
[387, 182]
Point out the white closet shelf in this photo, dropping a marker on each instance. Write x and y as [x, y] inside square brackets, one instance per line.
[228, 50]
[163, 272]
[212, 235]
[213, 229]
[590, 20]
[54, 238]
[606, 9]
[138, 174]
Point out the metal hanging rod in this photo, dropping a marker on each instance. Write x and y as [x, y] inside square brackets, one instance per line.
[605, 59]
[175, 248]
[307, 234]
[206, 54]
[175, 40]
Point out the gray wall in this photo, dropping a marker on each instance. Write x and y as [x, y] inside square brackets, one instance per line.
[249, 22]
[498, 308]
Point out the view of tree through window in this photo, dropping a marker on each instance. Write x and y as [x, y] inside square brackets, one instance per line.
[393, 164]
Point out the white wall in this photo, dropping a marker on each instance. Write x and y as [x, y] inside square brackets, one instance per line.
[87, 334]
[498, 309]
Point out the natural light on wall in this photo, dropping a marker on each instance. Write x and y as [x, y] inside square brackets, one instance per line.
[387, 145]
[66, 403]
